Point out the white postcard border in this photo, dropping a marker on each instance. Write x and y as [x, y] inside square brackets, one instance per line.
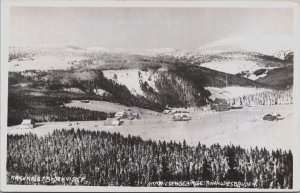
[5, 6]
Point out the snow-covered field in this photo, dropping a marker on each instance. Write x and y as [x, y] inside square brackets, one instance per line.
[74, 90]
[108, 107]
[244, 127]
[44, 57]
[39, 63]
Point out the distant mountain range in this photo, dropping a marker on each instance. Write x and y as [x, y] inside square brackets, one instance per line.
[240, 55]
[167, 76]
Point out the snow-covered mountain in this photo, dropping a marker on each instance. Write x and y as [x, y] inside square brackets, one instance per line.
[249, 56]
[48, 57]
[161, 77]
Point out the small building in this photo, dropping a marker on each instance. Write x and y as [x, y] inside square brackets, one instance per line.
[220, 105]
[167, 111]
[270, 117]
[133, 115]
[26, 124]
[113, 122]
[206, 108]
[236, 106]
[85, 101]
[181, 117]
[121, 114]
[173, 111]
[127, 115]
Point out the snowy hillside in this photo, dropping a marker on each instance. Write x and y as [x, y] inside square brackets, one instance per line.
[43, 57]
[132, 79]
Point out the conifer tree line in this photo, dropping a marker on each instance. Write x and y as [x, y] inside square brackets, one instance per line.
[106, 159]
[274, 97]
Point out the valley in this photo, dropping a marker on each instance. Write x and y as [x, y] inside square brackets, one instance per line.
[244, 127]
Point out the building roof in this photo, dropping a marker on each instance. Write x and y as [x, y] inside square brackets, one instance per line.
[26, 121]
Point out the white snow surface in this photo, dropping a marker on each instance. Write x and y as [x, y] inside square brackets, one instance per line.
[232, 66]
[98, 49]
[263, 44]
[45, 57]
[73, 89]
[254, 77]
[244, 127]
[157, 51]
[236, 66]
[101, 92]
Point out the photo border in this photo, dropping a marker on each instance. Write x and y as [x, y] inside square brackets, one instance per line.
[5, 37]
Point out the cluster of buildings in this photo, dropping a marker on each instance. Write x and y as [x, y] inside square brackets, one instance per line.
[220, 105]
[217, 104]
[178, 114]
[120, 116]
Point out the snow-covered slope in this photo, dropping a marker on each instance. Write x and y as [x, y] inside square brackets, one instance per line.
[231, 66]
[43, 57]
[157, 52]
[132, 79]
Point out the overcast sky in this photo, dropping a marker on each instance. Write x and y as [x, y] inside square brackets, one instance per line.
[143, 28]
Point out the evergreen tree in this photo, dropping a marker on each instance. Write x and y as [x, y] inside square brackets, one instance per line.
[165, 169]
[232, 174]
[206, 171]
